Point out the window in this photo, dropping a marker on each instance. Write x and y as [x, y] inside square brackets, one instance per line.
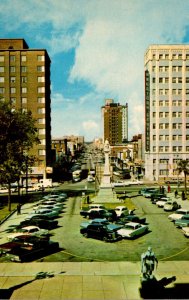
[187, 148]
[187, 79]
[154, 68]
[166, 68]
[2, 69]
[154, 137]
[180, 114]
[24, 110]
[154, 126]
[161, 126]
[187, 125]
[42, 141]
[41, 89]
[187, 114]
[40, 68]
[166, 148]
[40, 79]
[23, 69]
[24, 100]
[187, 56]
[174, 114]
[41, 152]
[161, 56]
[167, 137]
[174, 68]
[166, 102]
[23, 57]
[12, 90]
[187, 91]
[174, 126]
[179, 137]
[179, 68]
[179, 103]
[161, 80]
[153, 92]
[13, 100]
[166, 114]
[24, 79]
[2, 58]
[160, 69]
[161, 138]
[154, 148]
[179, 79]
[154, 160]
[174, 92]
[2, 90]
[12, 58]
[153, 80]
[179, 56]
[41, 100]
[2, 79]
[166, 56]
[179, 148]
[174, 80]
[179, 125]
[161, 114]
[41, 121]
[161, 149]
[40, 57]
[174, 56]
[187, 103]
[174, 137]
[187, 68]
[160, 92]
[41, 130]
[12, 69]
[154, 114]
[24, 90]
[161, 103]
[41, 110]
[166, 125]
[174, 148]
[179, 92]
[13, 79]
[166, 80]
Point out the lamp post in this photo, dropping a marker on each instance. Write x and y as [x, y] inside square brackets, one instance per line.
[26, 164]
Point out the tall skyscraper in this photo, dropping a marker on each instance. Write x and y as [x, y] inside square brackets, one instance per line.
[166, 109]
[25, 82]
[115, 122]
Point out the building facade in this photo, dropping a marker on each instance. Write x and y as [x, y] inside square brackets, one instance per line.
[115, 122]
[25, 82]
[166, 110]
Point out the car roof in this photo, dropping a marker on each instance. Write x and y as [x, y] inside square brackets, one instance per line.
[29, 227]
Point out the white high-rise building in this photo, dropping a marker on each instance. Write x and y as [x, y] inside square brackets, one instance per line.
[166, 110]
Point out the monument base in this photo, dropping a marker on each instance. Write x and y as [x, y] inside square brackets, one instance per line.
[105, 194]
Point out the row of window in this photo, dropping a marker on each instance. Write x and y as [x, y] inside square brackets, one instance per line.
[171, 103]
[39, 111]
[23, 69]
[167, 68]
[170, 149]
[23, 58]
[24, 90]
[167, 91]
[174, 114]
[24, 79]
[169, 138]
[168, 125]
[170, 56]
[174, 79]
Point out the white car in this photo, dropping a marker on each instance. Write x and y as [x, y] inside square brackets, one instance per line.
[32, 230]
[178, 214]
[162, 201]
[121, 210]
[90, 178]
[185, 230]
[132, 229]
[171, 205]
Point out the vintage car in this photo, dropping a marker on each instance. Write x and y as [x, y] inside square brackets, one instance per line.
[183, 222]
[178, 214]
[131, 218]
[92, 207]
[100, 231]
[161, 202]
[121, 211]
[171, 206]
[32, 230]
[40, 221]
[101, 221]
[132, 230]
[49, 213]
[26, 248]
[185, 230]
[101, 213]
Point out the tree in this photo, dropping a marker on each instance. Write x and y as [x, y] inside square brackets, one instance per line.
[183, 166]
[18, 133]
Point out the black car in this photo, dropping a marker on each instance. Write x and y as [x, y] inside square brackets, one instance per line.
[157, 197]
[101, 232]
[131, 218]
[40, 222]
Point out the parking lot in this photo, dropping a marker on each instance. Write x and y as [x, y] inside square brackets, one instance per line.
[167, 241]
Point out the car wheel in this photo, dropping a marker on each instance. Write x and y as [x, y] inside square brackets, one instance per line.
[86, 235]
[105, 239]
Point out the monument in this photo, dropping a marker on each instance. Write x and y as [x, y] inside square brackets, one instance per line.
[106, 193]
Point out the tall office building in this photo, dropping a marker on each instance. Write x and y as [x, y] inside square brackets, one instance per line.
[115, 122]
[25, 82]
[166, 109]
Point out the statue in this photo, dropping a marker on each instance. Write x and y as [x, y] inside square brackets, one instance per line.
[148, 261]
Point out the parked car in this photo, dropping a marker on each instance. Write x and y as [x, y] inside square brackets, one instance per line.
[32, 230]
[102, 222]
[26, 248]
[131, 218]
[146, 189]
[162, 202]
[156, 197]
[92, 207]
[178, 214]
[150, 193]
[101, 213]
[42, 222]
[3, 190]
[185, 230]
[52, 207]
[183, 222]
[51, 214]
[90, 178]
[171, 206]
[132, 230]
[121, 211]
[100, 231]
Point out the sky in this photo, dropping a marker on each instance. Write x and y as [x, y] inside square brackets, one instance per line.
[97, 52]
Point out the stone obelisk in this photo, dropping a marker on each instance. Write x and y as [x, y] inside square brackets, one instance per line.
[105, 193]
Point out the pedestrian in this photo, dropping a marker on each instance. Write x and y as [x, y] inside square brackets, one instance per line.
[169, 189]
[18, 209]
[88, 199]
[183, 195]
[176, 193]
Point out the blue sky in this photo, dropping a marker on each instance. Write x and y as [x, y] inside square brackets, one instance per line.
[97, 51]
